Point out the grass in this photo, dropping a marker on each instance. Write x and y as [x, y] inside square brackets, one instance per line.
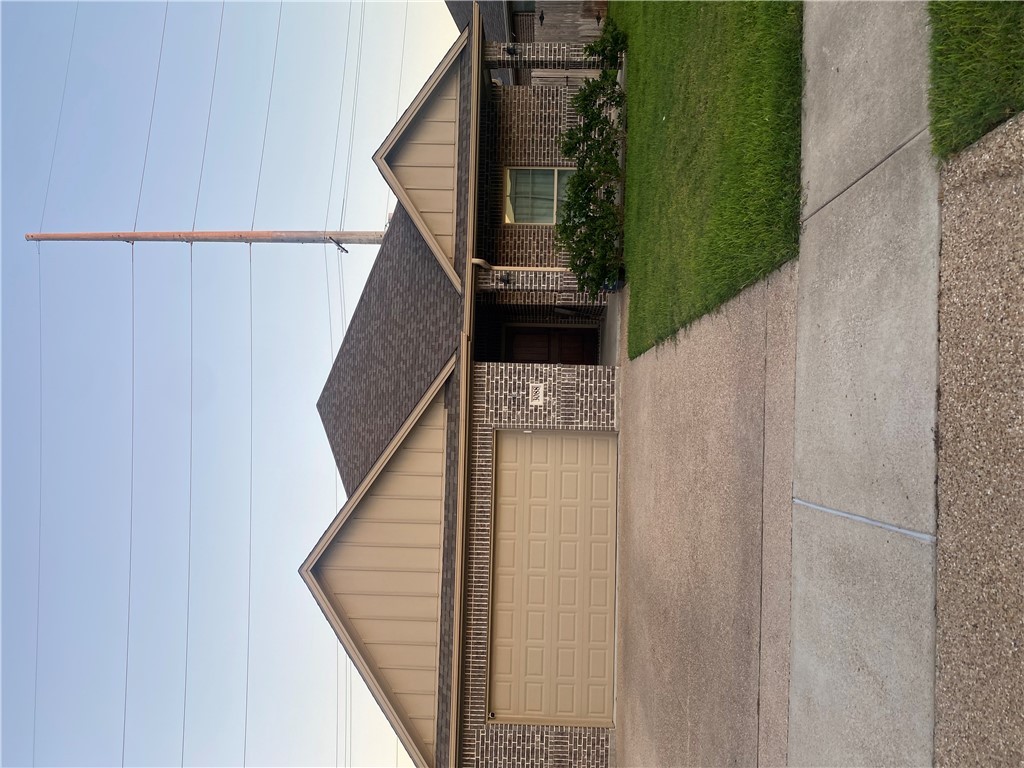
[712, 199]
[977, 81]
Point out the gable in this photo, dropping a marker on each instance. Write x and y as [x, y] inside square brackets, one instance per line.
[419, 159]
[376, 574]
[423, 162]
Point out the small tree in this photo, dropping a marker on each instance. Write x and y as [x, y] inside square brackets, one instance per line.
[590, 228]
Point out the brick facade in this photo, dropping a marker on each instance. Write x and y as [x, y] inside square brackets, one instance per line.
[576, 397]
[520, 128]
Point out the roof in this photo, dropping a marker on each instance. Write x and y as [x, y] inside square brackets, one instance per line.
[493, 15]
[404, 330]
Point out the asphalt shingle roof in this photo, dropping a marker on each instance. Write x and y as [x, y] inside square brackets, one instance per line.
[403, 331]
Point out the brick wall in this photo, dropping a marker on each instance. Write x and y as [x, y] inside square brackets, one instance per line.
[576, 397]
[520, 127]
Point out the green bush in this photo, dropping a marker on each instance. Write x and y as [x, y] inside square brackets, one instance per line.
[590, 225]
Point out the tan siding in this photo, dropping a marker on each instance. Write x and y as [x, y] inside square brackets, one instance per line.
[432, 200]
[343, 555]
[409, 486]
[370, 582]
[423, 156]
[407, 653]
[424, 728]
[382, 573]
[424, 162]
[426, 178]
[440, 223]
[436, 132]
[419, 461]
[397, 534]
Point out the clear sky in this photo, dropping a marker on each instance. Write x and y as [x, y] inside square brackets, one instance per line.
[130, 625]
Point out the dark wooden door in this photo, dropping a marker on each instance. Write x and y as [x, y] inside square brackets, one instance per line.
[557, 344]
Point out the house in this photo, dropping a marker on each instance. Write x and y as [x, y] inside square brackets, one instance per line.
[472, 415]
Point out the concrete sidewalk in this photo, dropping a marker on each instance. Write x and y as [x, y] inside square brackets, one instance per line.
[863, 610]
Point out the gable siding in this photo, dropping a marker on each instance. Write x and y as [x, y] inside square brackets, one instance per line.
[382, 574]
[424, 162]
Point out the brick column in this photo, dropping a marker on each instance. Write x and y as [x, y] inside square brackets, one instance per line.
[538, 56]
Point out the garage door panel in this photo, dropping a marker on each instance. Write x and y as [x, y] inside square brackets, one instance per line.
[567, 628]
[538, 449]
[570, 451]
[553, 570]
[569, 487]
[538, 519]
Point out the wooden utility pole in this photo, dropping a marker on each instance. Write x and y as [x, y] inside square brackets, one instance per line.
[340, 239]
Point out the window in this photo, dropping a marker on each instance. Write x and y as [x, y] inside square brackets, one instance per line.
[533, 195]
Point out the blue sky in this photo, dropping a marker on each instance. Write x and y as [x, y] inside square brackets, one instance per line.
[126, 380]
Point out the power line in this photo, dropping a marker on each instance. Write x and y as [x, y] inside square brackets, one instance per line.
[348, 162]
[152, 111]
[56, 134]
[39, 535]
[355, 104]
[209, 115]
[398, 96]
[39, 263]
[131, 497]
[188, 582]
[249, 599]
[191, 367]
[266, 124]
[131, 528]
[248, 613]
[327, 214]
[330, 328]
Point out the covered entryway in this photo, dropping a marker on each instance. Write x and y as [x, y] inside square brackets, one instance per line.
[553, 602]
[567, 345]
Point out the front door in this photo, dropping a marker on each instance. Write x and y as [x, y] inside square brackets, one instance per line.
[568, 345]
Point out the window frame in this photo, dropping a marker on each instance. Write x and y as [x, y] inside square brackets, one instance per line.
[507, 211]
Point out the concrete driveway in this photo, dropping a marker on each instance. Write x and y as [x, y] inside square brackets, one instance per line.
[704, 537]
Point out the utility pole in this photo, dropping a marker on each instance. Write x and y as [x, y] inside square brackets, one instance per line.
[339, 238]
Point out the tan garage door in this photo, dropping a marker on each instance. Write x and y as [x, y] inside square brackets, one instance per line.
[552, 623]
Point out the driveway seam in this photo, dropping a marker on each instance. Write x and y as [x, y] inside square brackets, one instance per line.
[866, 173]
[918, 535]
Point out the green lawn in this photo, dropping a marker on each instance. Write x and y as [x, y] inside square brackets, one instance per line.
[977, 70]
[713, 155]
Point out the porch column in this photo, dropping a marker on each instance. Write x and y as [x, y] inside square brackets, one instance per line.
[538, 56]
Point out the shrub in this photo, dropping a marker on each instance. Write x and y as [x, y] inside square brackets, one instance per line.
[590, 227]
